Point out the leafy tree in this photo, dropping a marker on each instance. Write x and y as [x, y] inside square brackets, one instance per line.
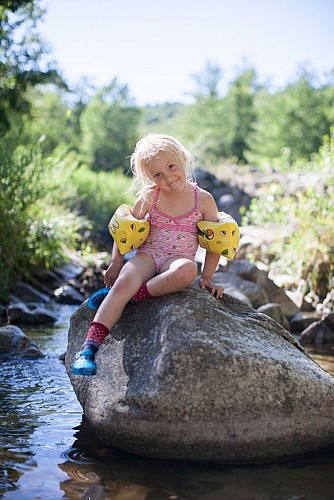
[109, 127]
[293, 120]
[219, 127]
[327, 92]
[22, 64]
[240, 114]
[201, 121]
[52, 121]
[203, 129]
[208, 81]
[162, 118]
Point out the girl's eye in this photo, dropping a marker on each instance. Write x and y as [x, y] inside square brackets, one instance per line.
[171, 166]
[156, 176]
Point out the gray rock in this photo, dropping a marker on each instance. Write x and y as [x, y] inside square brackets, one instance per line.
[71, 270]
[258, 239]
[229, 197]
[302, 320]
[232, 286]
[249, 271]
[67, 294]
[191, 377]
[27, 293]
[21, 314]
[15, 343]
[3, 314]
[319, 334]
[232, 283]
[275, 312]
[232, 202]
[329, 320]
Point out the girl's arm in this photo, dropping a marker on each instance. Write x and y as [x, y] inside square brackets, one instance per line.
[139, 210]
[142, 206]
[209, 210]
[114, 268]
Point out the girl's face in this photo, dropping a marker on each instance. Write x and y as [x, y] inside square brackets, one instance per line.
[168, 175]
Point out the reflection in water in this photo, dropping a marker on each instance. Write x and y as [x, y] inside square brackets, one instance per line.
[16, 425]
[47, 450]
[36, 417]
[96, 471]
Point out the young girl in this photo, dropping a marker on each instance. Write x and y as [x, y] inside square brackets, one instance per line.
[173, 203]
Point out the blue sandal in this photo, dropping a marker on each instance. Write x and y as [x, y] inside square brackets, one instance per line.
[96, 299]
[84, 363]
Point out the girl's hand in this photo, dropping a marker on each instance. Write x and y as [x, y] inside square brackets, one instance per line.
[111, 275]
[215, 290]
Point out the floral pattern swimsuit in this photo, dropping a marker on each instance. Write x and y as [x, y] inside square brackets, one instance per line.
[172, 236]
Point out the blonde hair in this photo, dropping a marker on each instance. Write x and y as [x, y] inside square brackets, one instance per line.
[153, 146]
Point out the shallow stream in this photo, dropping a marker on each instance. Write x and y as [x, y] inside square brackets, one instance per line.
[49, 452]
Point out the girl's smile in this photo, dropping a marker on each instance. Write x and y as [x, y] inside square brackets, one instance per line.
[167, 174]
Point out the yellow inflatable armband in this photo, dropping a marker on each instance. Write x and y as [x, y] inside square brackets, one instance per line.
[220, 237]
[128, 232]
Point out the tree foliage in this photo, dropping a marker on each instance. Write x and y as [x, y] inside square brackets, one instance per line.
[240, 112]
[22, 61]
[51, 121]
[292, 121]
[307, 250]
[109, 127]
[219, 126]
[208, 81]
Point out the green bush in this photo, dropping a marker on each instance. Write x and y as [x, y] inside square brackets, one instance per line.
[35, 229]
[307, 252]
[99, 194]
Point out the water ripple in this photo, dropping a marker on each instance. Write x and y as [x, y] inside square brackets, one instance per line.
[77, 456]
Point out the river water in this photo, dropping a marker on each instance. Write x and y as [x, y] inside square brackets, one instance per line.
[49, 452]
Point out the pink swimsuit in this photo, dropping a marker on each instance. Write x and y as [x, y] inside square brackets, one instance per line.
[172, 236]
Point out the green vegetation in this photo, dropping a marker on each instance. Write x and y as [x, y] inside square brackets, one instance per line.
[64, 156]
[307, 250]
[36, 229]
[99, 194]
[22, 52]
[109, 128]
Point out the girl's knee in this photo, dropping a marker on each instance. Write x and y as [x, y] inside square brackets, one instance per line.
[125, 285]
[188, 272]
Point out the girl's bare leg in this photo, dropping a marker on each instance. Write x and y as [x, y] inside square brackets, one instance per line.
[139, 269]
[175, 275]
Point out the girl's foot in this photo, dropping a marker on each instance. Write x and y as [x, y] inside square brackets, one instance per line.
[84, 363]
[96, 299]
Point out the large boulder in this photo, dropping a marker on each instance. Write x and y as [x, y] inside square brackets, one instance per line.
[191, 377]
